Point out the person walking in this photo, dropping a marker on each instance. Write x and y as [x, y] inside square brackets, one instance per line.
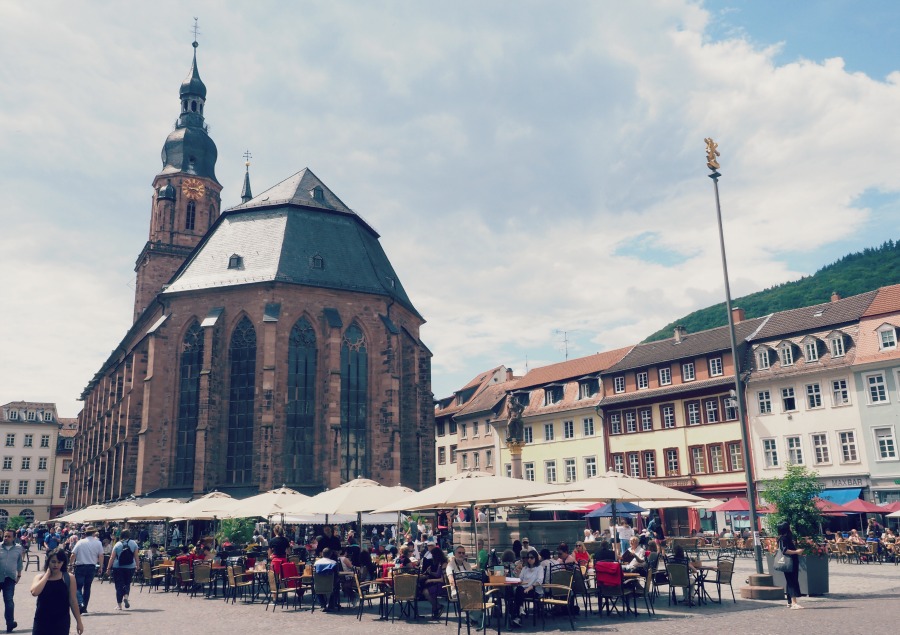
[792, 577]
[88, 557]
[11, 563]
[122, 566]
[55, 595]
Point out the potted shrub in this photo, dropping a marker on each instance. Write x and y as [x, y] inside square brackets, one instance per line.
[793, 497]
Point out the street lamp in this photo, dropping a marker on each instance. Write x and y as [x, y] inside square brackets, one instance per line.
[711, 162]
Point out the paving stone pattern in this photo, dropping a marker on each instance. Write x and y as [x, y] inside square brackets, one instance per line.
[863, 599]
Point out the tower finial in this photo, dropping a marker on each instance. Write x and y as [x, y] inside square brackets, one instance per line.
[196, 32]
[246, 194]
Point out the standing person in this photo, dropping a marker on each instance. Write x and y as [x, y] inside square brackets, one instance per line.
[55, 595]
[792, 577]
[122, 566]
[176, 536]
[88, 555]
[10, 573]
[656, 532]
[278, 547]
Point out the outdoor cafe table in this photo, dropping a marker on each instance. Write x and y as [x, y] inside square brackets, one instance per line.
[507, 585]
[700, 575]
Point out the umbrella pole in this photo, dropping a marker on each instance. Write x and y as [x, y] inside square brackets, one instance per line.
[489, 531]
[613, 524]
[474, 529]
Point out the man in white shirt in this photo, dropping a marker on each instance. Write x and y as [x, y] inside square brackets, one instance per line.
[87, 555]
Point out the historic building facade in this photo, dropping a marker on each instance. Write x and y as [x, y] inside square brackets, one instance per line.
[272, 343]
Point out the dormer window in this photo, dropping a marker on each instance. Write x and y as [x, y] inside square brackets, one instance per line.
[588, 387]
[552, 395]
[318, 194]
[786, 354]
[13, 415]
[887, 337]
[30, 415]
[762, 358]
[811, 350]
[619, 384]
[236, 262]
[48, 416]
[836, 343]
[317, 262]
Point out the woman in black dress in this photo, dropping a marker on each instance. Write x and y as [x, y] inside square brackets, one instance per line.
[54, 589]
[792, 577]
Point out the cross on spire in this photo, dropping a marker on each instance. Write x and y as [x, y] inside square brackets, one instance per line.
[196, 31]
[247, 157]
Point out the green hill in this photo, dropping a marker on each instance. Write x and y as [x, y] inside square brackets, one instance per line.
[854, 273]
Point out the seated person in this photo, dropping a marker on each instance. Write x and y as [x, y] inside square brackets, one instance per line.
[679, 557]
[634, 558]
[152, 553]
[563, 556]
[530, 586]
[604, 553]
[403, 561]
[582, 557]
[323, 566]
[854, 538]
[433, 577]
[457, 564]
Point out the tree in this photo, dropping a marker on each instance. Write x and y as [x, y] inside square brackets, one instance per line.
[794, 497]
[15, 522]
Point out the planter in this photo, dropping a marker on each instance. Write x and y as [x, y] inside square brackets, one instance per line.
[813, 574]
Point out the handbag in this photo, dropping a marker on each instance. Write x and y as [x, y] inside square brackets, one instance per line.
[783, 563]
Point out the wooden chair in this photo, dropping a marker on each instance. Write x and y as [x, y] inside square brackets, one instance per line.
[724, 574]
[185, 580]
[366, 592]
[237, 582]
[680, 577]
[32, 558]
[152, 576]
[277, 591]
[202, 578]
[324, 584]
[648, 592]
[406, 593]
[558, 593]
[470, 592]
[611, 587]
[291, 579]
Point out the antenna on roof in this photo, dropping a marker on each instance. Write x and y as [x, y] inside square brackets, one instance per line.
[565, 335]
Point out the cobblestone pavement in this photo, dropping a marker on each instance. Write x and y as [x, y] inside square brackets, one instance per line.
[863, 598]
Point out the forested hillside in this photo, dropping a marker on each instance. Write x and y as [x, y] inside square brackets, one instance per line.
[852, 274]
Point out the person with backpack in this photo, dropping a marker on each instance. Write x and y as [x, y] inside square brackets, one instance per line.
[55, 595]
[122, 565]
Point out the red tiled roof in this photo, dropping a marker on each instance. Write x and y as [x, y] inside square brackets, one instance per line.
[572, 368]
[486, 400]
[887, 301]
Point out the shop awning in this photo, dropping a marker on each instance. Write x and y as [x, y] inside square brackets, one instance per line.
[841, 496]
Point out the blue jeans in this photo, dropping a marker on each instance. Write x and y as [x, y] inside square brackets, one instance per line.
[84, 577]
[9, 587]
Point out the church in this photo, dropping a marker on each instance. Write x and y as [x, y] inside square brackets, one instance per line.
[272, 343]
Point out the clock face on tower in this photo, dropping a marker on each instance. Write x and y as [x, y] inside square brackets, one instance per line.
[193, 189]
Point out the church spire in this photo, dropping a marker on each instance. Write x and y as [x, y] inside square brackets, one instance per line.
[246, 194]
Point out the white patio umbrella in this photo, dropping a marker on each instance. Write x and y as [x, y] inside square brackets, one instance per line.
[353, 497]
[83, 515]
[209, 507]
[895, 514]
[267, 504]
[468, 489]
[122, 511]
[160, 509]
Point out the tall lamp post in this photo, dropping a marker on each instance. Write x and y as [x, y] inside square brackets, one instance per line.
[713, 165]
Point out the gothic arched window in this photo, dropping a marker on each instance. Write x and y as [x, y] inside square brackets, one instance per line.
[354, 400]
[191, 218]
[191, 363]
[301, 404]
[242, 374]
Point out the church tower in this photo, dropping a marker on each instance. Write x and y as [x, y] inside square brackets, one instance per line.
[186, 198]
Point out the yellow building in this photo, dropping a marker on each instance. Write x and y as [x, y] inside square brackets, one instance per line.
[563, 439]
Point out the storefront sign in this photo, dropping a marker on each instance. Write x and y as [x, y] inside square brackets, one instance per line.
[848, 481]
[16, 501]
[675, 482]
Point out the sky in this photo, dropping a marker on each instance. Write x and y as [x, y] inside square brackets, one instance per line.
[536, 170]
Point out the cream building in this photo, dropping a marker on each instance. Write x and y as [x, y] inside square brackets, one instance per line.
[801, 401]
[28, 434]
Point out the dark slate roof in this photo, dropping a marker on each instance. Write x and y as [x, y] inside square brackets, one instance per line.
[666, 391]
[192, 84]
[278, 236]
[816, 317]
[691, 345]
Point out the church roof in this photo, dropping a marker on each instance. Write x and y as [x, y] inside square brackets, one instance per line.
[292, 234]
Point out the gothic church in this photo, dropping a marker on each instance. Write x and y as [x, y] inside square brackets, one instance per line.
[272, 343]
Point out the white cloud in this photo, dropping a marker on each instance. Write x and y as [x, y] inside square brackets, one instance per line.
[504, 152]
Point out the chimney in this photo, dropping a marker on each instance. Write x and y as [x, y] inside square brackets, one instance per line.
[835, 296]
[737, 315]
[680, 333]
[509, 374]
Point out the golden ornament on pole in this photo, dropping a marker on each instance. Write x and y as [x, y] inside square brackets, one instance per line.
[711, 154]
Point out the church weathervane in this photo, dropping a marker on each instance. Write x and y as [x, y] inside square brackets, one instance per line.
[711, 153]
